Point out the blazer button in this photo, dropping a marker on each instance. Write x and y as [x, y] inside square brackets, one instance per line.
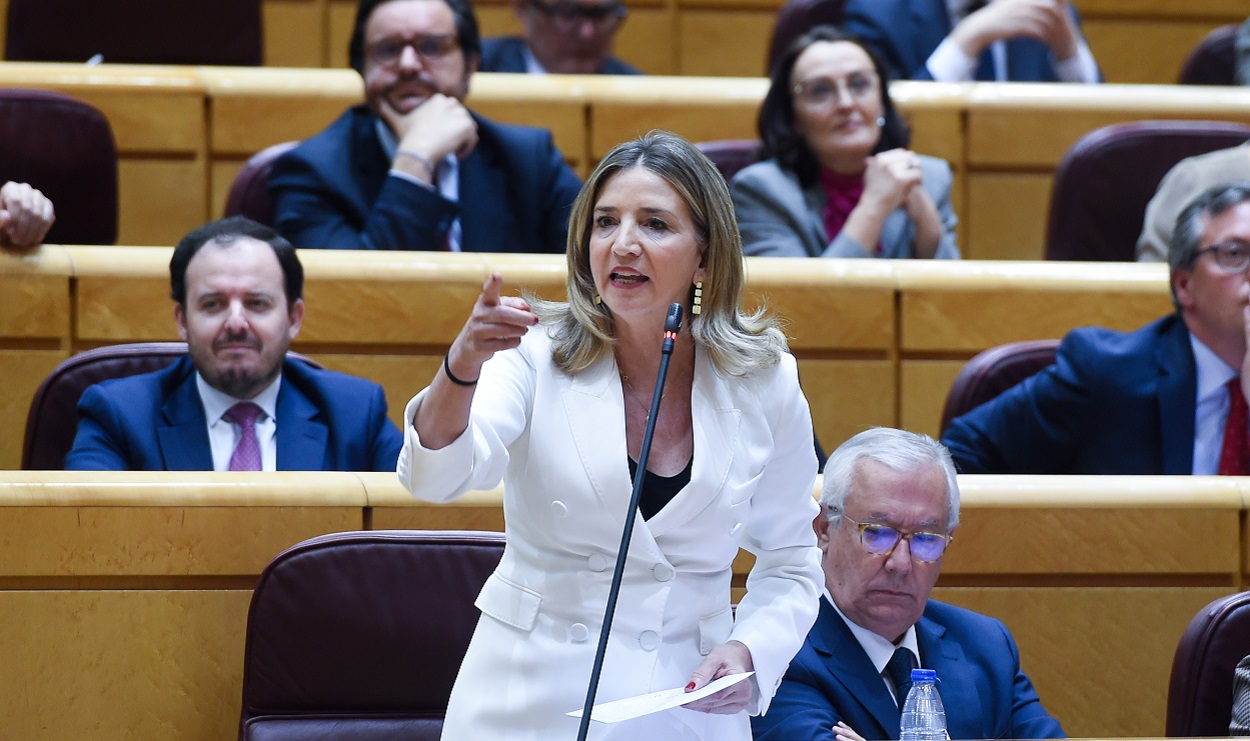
[649, 640]
[559, 509]
[578, 633]
[597, 562]
[663, 572]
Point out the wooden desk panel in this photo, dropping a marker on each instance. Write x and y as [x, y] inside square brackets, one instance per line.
[122, 664]
[1099, 658]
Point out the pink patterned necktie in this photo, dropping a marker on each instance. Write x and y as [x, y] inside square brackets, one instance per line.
[247, 452]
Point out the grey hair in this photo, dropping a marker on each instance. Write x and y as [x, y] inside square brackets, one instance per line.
[1191, 224]
[899, 450]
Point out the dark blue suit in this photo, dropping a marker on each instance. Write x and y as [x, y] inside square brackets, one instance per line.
[1112, 403]
[333, 191]
[906, 32]
[507, 54]
[327, 421]
[978, 667]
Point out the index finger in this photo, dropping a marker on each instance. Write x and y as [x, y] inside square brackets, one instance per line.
[490, 289]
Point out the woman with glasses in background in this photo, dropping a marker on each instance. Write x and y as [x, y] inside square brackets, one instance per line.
[837, 178]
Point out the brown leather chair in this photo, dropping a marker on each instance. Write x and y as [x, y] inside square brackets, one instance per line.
[1102, 185]
[358, 636]
[65, 148]
[135, 31]
[993, 371]
[249, 193]
[796, 18]
[1213, 61]
[730, 155]
[1200, 694]
[52, 420]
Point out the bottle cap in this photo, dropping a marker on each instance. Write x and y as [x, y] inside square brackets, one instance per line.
[923, 675]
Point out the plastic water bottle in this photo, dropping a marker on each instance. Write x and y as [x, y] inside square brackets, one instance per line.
[924, 718]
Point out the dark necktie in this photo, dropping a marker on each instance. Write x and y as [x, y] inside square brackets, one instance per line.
[1233, 454]
[247, 451]
[899, 671]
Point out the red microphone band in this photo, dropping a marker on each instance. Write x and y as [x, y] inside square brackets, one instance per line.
[670, 335]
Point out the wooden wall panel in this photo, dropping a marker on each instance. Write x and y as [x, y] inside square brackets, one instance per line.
[122, 664]
[294, 33]
[848, 396]
[923, 385]
[23, 371]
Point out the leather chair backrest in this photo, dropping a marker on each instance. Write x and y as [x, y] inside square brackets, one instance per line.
[249, 193]
[135, 31]
[1200, 694]
[730, 155]
[1213, 61]
[65, 148]
[993, 371]
[359, 636]
[796, 18]
[52, 420]
[1102, 185]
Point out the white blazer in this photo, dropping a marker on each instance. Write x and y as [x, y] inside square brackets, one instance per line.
[558, 443]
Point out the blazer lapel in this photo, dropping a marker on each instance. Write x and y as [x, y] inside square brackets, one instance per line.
[716, 420]
[301, 437]
[955, 683]
[850, 667]
[1176, 391]
[182, 432]
[486, 224]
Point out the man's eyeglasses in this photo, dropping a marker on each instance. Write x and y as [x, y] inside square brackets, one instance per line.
[881, 540]
[431, 48]
[569, 16]
[821, 91]
[1232, 257]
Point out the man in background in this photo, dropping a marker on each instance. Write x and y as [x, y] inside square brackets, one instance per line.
[236, 402]
[413, 168]
[566, 37]
[889, 506]
[986, 40]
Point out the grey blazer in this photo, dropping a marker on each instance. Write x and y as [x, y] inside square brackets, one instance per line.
[780, 218]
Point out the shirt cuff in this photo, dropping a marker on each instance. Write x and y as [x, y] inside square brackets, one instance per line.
[948, 63]
[412, 179]
[1080, 68]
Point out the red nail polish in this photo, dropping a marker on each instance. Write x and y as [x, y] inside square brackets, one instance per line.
[690, 686]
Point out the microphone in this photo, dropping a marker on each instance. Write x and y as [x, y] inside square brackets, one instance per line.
[672, 326]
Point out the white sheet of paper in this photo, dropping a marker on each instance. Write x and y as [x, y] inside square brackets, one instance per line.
[653, 702]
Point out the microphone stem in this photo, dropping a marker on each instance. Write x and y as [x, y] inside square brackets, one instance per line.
[631, 514]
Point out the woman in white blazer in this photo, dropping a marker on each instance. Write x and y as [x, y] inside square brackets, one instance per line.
[552, 399]
[837, 178]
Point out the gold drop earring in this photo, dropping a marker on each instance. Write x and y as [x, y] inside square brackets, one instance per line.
[698, 298]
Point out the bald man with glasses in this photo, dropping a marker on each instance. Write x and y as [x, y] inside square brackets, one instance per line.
[1169, 398]
[889, 509]
[413, 168]
[568, 37]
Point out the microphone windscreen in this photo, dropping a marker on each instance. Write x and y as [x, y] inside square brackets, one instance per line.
[672, 323]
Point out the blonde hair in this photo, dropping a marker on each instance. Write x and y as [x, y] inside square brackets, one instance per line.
[737, 343]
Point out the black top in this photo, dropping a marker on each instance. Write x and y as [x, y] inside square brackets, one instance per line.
[657, 490]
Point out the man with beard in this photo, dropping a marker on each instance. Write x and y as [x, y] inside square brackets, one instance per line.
[236, 402]
[412, 168]
[889, 506]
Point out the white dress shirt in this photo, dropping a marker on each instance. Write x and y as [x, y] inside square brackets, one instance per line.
[223, 435]
[446, 175]
[1210, 407]
[880, 650]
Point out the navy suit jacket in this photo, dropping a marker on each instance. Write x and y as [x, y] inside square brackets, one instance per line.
[906, 32]
[507, 54]
[1112, 403]
[334, 191]
[327, 421]
[983, 690]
